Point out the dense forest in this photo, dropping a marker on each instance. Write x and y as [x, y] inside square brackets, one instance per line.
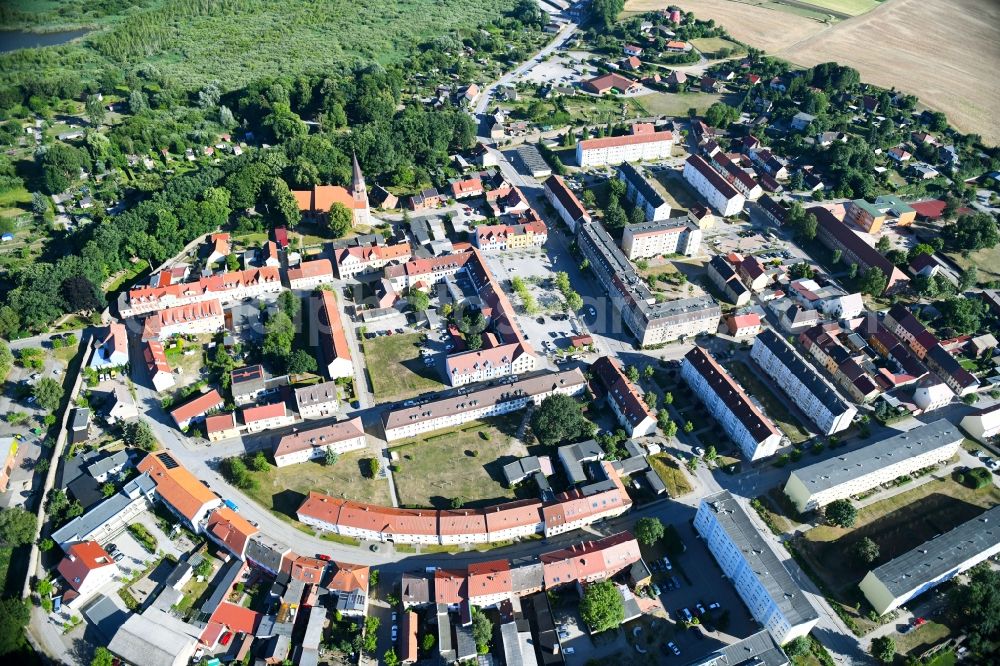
[371, 111]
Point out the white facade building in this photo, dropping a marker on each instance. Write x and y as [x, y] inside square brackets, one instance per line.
[448, 412]
[304, 445]
[984, 424]
[629, 148]
[815, 486]
[317, 400]
[565, 202]
[653, 239]
[925, 567]
[761, 580]
[643, 193]
[720, 195]
[816, 397]
[730, 406]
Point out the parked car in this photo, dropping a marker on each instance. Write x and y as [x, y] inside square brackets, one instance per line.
[714, 606]
[118, 557]
[324, 557]
[673, 648]
[701, 609]
[395, 632]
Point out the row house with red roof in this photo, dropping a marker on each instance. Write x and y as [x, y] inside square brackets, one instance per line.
[199, 318]
[304, 445]
[310, 274]
[504, 237]
[226, 288]
[266, 417]
[353, 261]
[566, 203]
[160, 373]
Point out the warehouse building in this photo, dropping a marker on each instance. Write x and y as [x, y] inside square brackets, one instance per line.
[815, 486]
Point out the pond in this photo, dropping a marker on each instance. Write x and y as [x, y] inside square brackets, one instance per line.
[12, 40]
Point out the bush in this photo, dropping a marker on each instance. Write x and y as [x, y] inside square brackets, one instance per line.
[142, 535]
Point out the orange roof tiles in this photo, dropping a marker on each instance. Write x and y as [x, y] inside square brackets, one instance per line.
[156, 358]
[236, 618]
[349, 577]
[311, 269]
[203, 403]
[513, 514]
[220, 423]
[176, 485]
[333, 338]
[263, 412]
[231, 528]
[627, 140]
[307, 569]
[183, 314]
[489, 578]
[81, 559]
[590, 560]
[465, 521]
[449, 586]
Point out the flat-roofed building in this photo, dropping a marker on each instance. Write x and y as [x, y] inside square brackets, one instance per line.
[814, 486]
[803, 385]
[730, 406]
[491, 401]
[758, 649]
[670, 236]
[717, 192]
[925, 567]
[761, 580]
[641, 192]
[628, 148]
[305, 445]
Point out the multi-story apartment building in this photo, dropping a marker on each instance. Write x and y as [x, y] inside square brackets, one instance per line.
[317, 400]
[650, 322]
[898, 581]
[358, 260]
[815, 486]
[406, 422]
[181, 491]
[646, 145]
[983, 424]
[730, 406]
[624, 398]
[716, 190]
[761, 580]
[589, 561]
[643, 193]
[812, 394]
[854, 250]
[304, 445]
[724, 276]
[744, 183]
[310, 274]
[652, 239]
[871, 216]
[584, 505]
[905, 326]
[565, 202]
[513, 520]
[194, 319]
[226, 288]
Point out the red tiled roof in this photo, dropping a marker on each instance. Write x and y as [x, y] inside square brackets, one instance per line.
[220, 422]
[449, 586]
[236, 618]
[590, 559]
[489, 578]
[626, 140]
[574, 208]
[82, 558]
[467, 186]
[334, 339]
[262, 412]
[621, 390]
[231, 528]
[349, 577]
[311, 269]
[307, 569]
[203, 403]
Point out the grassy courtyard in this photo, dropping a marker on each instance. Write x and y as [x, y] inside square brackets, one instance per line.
[465, 464]
[897, 524]
[773, 405]
[282, 489]
[670, 472]
[673, 104]
[396, 369]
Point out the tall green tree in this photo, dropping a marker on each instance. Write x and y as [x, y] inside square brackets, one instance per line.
[649, 530]
[601, 607]
[559, 419]
[17, 526]
[341, 220]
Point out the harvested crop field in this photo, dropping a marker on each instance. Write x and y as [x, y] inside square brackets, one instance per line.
[944, 51]
[764, 28]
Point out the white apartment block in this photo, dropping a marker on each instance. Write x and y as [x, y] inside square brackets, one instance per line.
[720, 195]
[195, 319]
[227, 288]
[803, 385]
[815, 486]
[630, 148]
[654, 239]
[643, 193]
[452, 411]
[486, 364]
[305, 445]
[565, 202]
[925, 567]
[749, 428]
[761, 580]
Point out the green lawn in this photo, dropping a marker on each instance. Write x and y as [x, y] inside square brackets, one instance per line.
[987, 262]
[282, 489]
[466, 464]
[670, 472]
[673, 104]
[897, 524]
[709, 46]
[773, 405]
[922, 638]
[396, 368]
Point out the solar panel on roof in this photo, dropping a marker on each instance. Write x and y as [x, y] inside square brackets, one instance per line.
[168, 461]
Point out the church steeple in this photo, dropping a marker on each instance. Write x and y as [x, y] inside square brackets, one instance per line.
[357, 179]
